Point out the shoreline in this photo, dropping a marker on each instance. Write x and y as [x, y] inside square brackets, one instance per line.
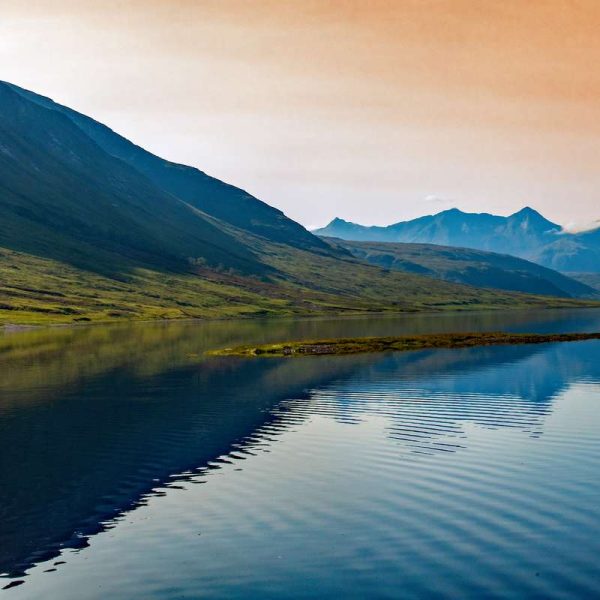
[9, 327]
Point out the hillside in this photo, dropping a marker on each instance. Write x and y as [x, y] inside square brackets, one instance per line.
[63, 197]
[207, 194]
[471, 267]
[94, 228]
[526, 234]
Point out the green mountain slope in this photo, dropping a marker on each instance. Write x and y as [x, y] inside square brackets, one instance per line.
[471, 267]
[63, 197]
[95, 228]
[34, 290]
[213, 197]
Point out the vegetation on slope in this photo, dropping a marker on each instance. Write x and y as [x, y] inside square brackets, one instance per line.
[40, 291]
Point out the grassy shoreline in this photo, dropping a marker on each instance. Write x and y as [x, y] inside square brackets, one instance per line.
[340, 346]
[16, 326]
[38, 291]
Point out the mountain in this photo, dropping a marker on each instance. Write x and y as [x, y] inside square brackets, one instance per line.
[63, 197]
[526, 234]
[95, 228]
[207, 194]
[470, 267]
[572, 252]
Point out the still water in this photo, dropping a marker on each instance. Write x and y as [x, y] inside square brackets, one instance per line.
[132, 466]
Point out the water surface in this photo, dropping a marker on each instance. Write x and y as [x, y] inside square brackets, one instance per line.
[132, 466]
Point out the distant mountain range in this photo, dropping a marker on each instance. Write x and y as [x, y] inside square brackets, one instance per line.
[526, 234]
[93, 227]
[471, 267]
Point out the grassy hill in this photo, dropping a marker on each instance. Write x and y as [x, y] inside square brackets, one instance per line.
[94, 228]
[471, 267]
[34, 290]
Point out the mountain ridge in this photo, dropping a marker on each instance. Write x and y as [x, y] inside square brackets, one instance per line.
[526, 234]
[190, 184]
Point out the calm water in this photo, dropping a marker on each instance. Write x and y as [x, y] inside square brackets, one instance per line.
[131, 466]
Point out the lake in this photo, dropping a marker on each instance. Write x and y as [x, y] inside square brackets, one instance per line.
[133, 466]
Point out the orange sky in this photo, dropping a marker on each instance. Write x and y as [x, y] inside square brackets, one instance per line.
[374, 111]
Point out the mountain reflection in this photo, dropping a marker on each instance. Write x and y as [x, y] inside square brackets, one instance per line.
[84, 457]
[94, 420]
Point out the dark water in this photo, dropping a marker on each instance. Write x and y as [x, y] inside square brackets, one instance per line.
[131, 466]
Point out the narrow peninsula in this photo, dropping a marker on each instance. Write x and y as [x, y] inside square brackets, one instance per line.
[403, 343]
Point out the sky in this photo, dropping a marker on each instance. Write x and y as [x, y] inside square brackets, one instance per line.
[374, 111]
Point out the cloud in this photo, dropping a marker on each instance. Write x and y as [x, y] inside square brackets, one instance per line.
[581, 226]
[433, 199]
[439, 203]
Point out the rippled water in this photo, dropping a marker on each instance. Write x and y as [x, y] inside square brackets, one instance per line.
[133, 467]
